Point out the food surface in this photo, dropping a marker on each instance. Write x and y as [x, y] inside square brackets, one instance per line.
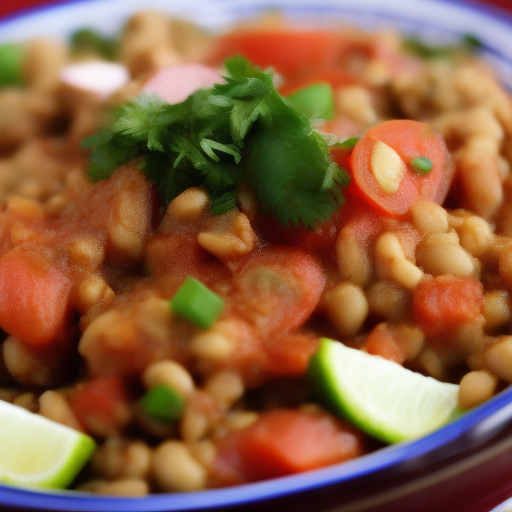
[207, 240]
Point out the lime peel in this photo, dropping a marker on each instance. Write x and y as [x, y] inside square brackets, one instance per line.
[36, 452]
[382, 398]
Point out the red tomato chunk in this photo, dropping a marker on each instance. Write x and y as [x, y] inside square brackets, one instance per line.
[444, 304]
[34, 297]
[283, 442]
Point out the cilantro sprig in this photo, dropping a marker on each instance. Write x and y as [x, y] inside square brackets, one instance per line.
[240, 131]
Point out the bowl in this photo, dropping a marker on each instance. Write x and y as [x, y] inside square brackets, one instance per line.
[464, 466]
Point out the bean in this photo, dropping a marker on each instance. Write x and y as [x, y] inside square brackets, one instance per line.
[347, 308]
[475, 235]
[505, 264]
[54, 406]
[176, 470]
[352, 259]
[228, 236]
[388, 300]
[186, 208]
[27, 400]
[390, 262]
[87, 252]
[410, 339]
[429, 217]
[476, 387]
[499, 358]
[446, 258]
[225, 388]
[127, 487]
[168, 373]
[120, 458]
[496, 310]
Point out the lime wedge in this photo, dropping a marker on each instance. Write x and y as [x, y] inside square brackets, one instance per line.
[382, 398]
[38, 453]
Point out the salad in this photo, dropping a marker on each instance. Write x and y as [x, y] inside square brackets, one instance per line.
[228, 258]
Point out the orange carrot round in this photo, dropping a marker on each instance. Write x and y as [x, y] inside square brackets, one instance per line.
[409, 140]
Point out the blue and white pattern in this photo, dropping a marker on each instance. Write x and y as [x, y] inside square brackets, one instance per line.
[433, 20]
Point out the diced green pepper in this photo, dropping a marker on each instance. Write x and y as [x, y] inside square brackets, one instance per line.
[163, 404]
[316, 101]
[11, 64]
[195, 302]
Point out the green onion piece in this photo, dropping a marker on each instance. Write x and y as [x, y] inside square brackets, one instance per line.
[316, 101]
[347, 144]
[11, 64]
[163, 404]
[197, 303]
[422, 165]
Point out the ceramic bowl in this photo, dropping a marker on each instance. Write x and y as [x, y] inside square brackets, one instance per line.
[463, 467]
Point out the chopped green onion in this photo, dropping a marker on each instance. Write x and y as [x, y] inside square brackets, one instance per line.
[11, 64]
[195, 302]
[316, 101]
[422, 165]
[348, 144]
[163, 404]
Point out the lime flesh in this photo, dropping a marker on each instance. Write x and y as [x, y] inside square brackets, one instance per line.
[38, 453]
[382, 398]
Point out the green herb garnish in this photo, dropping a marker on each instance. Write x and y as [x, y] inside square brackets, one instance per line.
[422, 165]
[239, 131]
[87, 41]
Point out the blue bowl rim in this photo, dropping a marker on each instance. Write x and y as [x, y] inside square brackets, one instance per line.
[474, 428]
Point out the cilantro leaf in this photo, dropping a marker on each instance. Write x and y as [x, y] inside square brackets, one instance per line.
[240, 131]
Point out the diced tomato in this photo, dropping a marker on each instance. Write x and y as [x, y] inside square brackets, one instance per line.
[100, 405]
[289, 354]
[249, 359]
[290, 52]
[320, 241]
[177, 255]
[409, 139]
[381, 342]
[34, 297]
[284, 442]
[360, 219]
[444, 304]
[277, 290]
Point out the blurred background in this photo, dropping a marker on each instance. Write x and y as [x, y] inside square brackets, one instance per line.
[10, 7]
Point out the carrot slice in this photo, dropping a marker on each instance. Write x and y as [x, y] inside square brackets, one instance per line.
[409, 140]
